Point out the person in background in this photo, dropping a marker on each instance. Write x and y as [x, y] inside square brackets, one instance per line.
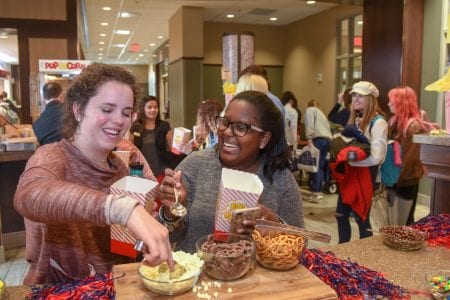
[366, 118]
[318, 133]
[205, 128]
[64, 192]
[10, 109]
[406, 121]
[153, 137]
[291, 119]
[11, 102]
[261, 71]
[48, 127]
[340, 113]
[251, 139]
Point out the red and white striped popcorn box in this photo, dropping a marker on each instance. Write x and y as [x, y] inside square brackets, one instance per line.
[237, 190]
[180, 140]
[124, 156]
[144, 190]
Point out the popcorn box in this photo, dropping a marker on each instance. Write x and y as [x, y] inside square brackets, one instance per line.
[237, 190]
[144, 190]
[124, 156]
[180, 139]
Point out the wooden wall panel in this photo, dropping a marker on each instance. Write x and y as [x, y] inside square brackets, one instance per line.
[34, 9]
[392, 44]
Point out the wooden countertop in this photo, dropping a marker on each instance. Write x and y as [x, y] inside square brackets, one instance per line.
[438, 140]
[258, 284]
[8, 156]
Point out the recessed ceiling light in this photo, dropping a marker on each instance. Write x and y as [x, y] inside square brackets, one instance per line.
[360, 22]
[154, 55]
[102, 43]
[102, 34]
[146, 50]
[100, 54]
[104, 24]
[122, 32]
[141, 55]
[3, 36]
[100, 58]
[106, 8]
[100, 49]
[160, 37]
[152, 44]
[230, 16]
[273, 19]
[119, 45]
[310, 2]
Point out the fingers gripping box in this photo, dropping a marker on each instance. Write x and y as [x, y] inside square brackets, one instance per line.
[144, 190]
[180, 140]
[237, 190]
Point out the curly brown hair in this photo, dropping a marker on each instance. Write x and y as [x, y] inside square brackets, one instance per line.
[86, 86]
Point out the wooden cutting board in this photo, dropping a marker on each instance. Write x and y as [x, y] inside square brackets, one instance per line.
[259, 283]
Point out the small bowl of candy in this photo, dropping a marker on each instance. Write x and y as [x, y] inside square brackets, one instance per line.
[278, 250]
[162, 281]
[439, 283]
[227, 256]
[403, 237]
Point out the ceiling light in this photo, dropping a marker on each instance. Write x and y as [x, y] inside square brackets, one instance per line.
[360, 22]
[310, 2]
[102, 43]
[104, 24]
[146, 50]
[100, 49]
[100, 58]
[154, 55]
[230, 16]
[106, 8]
[100, 54]
[119, 45]
[273, 19]
[160, 37]
[3, 36]
[122, 32]
[126, 14]
[152, 44]
[141, 55]
[102, 34]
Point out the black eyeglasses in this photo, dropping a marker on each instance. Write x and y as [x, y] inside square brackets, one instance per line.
[238, 128]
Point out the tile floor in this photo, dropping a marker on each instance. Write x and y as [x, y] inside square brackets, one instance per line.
[318, 217]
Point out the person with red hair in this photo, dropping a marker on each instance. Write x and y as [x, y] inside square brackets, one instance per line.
[406, 121]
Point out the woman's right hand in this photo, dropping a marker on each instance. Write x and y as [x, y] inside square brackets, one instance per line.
[154, 235]
[171, 181]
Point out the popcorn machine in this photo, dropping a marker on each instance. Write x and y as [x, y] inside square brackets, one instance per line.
[62, 71]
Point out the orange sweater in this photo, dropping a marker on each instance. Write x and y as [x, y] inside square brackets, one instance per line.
[62, 195]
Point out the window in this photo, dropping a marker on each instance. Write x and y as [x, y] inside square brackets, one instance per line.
[349, 52]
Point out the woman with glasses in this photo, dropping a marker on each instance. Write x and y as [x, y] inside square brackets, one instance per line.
[251, 139]
[153, 136]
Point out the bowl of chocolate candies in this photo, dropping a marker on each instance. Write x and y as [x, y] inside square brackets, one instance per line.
[227, 256]
[403, 237]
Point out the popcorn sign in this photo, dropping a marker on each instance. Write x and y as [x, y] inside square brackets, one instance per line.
[66, 66]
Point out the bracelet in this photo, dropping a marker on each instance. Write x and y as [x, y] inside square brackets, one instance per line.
[171, 224]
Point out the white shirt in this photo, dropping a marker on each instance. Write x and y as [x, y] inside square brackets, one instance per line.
[290, 125]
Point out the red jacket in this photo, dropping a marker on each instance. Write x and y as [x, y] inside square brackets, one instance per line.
[355, 183]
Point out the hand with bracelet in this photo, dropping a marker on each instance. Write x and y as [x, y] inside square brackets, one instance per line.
[171, 181]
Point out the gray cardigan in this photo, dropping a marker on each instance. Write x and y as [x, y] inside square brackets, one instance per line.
[201, 176]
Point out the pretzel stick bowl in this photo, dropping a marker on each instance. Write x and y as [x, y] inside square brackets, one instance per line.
[278, 250]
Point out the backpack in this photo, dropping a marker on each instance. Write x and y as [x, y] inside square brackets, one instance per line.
[391, 167]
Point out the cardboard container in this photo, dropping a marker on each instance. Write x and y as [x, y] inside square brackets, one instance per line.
[124, 156]
[237, 190]
[144, 190]
[180, 140]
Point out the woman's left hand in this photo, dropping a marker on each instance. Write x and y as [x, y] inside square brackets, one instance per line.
[248, 225]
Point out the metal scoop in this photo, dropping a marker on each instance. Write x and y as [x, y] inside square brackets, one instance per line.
[178, 209]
